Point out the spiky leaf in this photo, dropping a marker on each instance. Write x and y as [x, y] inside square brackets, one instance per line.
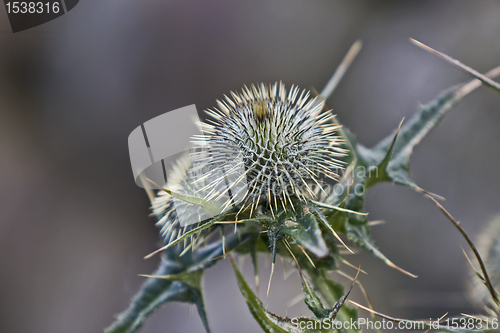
[314, 303]
[178, 278]
[333, 294]
[302, 226]
[389, 161]
[271, 323]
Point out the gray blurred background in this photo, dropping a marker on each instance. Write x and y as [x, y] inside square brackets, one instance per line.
[73, 225]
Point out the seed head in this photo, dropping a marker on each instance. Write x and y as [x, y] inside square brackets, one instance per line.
[271, 144]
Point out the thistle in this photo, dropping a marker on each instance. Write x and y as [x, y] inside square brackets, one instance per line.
[266, 149]
[175, 217]
[274, 145]
[270, 149]
[489, 247]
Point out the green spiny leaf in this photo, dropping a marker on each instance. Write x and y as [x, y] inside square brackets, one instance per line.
[218, 219]
[210, 207]
[312, 301]
[359, 235]
[180, 280]
[390, 159]
[302, 226]
[333, 293]
[155, 292]
[428, 117]
[271, 323]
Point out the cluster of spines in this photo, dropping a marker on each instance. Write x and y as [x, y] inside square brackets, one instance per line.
[167, 212]
[283, 142]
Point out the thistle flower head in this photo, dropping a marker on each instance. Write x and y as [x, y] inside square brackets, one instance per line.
[489, 248]
[271, 144]
[171, 211]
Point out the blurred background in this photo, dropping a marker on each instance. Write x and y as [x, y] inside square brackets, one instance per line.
[74, 227]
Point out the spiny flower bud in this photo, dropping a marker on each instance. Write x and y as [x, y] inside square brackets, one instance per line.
[273, 145]
[171, 211]
[489, 248]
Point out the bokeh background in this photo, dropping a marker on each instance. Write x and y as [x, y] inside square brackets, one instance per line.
[73, 225]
